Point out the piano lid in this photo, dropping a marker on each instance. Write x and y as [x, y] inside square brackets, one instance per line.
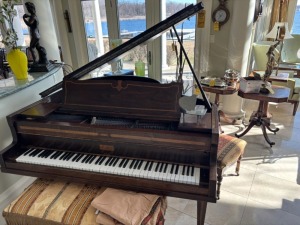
[117, 52]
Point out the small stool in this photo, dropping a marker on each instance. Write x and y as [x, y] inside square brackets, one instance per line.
[230, 151]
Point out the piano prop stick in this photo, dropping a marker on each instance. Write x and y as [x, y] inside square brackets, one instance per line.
[124, 132]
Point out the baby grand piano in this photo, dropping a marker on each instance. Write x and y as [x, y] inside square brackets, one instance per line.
[123, 132]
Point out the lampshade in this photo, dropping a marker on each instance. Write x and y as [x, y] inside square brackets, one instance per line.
[274, 33]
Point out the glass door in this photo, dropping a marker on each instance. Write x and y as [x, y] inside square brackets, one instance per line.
[176, 66]
[132, 20]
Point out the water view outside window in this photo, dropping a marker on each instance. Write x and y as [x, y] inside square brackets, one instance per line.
[132, 19]
[296, 24]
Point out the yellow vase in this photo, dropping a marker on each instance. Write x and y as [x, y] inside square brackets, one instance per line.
[18, 63]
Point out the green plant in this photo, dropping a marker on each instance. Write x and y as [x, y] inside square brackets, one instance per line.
[7, 14]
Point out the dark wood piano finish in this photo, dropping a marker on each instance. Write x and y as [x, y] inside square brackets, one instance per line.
[64, 121]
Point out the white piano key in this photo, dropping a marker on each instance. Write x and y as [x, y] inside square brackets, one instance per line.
[197, 176]
[141, 169]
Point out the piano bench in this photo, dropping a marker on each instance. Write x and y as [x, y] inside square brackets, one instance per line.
[230, 151]
[53, 202]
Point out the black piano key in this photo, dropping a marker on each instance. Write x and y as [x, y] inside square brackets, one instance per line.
[192, 173]
[92, 159]
[70, 156]
[157, 166]
[62, 156]
[89, 159]
[38, 152]
[28, 151]
[66, 156]
[161, 167]
[45, 152]
[48, 154]
[177, 168]
[80, 156]
[132, 163]
[165, 168]
[76, 157]
[146, 166]
[172, 168]
[126, 162]
[85, 158]
[102, 160]
[116, 161]
[136, 164]
[108, 161]
[112, 161]
[188, 171]
[35, 152]
[98, 160]
[55, 155]
[140, 164]
[122, 162]
[183, 170]
[39, 155]
[150, 166]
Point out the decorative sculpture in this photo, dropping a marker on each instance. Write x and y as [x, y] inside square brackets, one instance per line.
[271, 61]
[41, 64]
[266, 87]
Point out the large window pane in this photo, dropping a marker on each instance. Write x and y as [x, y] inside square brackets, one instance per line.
[186, 31]
[95, 24]
[132, 18]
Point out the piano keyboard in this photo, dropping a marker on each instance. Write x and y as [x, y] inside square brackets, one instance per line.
[113, 165]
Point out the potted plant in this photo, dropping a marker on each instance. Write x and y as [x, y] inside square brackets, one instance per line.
[16, 59]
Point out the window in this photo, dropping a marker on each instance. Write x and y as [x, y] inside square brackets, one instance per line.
[296, 24]
[186, 30]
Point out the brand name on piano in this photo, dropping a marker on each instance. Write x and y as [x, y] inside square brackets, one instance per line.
[109, 148]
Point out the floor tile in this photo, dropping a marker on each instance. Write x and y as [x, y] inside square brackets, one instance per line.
[276, 193]
[228, 210]
[260, 214]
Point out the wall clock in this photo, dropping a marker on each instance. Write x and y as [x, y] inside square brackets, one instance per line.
[221, 13]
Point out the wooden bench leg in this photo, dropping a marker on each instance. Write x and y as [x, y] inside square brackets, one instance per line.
[219, 181]
[238, 163]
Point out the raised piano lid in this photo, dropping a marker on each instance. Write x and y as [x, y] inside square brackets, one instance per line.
[142, 38]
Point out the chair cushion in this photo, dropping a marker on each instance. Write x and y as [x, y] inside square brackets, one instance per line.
[229, 150]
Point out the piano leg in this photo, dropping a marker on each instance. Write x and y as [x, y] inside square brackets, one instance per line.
[201, 210]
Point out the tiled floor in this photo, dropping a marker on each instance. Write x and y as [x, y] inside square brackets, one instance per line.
[268, 189]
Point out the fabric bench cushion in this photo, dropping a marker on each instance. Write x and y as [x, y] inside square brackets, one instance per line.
[53, 203]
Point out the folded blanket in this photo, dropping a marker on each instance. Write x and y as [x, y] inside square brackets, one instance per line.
[129, 208]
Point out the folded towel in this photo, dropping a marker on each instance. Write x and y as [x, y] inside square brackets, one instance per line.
[129, 208]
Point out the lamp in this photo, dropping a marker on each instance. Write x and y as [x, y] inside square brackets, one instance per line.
[279, 32]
